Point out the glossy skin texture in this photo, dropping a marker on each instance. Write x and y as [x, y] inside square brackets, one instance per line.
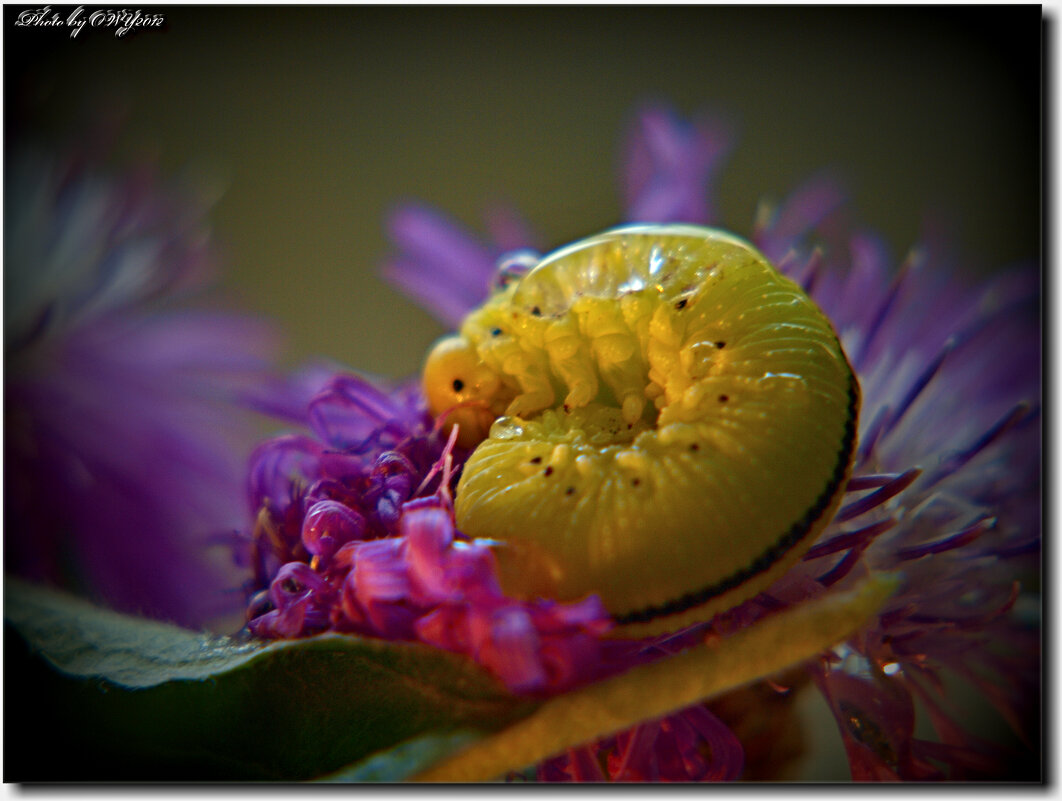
[675, 424]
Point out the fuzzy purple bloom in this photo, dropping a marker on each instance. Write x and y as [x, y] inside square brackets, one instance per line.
[355, 533]
[122, 438]
[945, 489]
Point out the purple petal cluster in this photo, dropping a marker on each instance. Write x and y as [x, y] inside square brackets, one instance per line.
[124, 440]
[355, 533]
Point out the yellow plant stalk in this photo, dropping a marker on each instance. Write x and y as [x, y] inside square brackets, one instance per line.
[661, 688]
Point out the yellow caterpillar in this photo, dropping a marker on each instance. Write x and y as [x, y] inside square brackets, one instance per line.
[660, 417]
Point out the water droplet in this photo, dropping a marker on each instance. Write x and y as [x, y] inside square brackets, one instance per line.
[506, 428]
[513, 266]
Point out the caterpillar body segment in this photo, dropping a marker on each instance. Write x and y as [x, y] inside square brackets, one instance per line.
[675, 423]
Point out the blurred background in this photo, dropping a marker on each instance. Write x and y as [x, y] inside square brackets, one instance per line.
[315, 122]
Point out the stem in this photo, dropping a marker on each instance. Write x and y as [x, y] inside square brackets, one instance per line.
[661, 688]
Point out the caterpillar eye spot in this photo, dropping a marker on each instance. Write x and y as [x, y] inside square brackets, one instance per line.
[495, 332]
[622, 393]
[461, 390]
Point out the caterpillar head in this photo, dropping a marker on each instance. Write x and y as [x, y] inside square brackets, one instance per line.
[459, 386]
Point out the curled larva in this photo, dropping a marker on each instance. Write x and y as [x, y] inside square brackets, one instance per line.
[659, 417]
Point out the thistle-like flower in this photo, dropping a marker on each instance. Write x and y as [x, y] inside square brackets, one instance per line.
[123, 440]
[355, 532]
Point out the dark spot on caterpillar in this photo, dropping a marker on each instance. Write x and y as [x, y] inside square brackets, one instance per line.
[635, 482]
[681, 304]
[630, 425]
[458, 385]
[567, 409]
[495, 332]
[569, 491]
[537, 460]
[537, 312]
[694, 446]
[548, 471]
[724, 398]
[720, 345]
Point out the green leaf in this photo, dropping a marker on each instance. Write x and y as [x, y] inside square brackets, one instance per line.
[116, 698]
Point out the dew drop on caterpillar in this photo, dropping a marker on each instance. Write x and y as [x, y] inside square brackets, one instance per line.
[659, 417]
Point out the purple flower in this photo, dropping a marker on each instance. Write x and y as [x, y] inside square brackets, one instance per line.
[945, 489]
[354, 532]
[123, 441]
